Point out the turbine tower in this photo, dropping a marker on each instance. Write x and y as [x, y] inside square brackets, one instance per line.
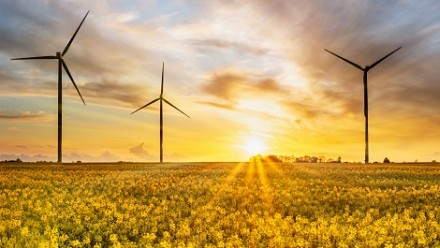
[365, 70]
[161, 112]
[61, 65]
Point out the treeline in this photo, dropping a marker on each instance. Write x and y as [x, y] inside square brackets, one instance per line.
[293, 159]
[12, 161]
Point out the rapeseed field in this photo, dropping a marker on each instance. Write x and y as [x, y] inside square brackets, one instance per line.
[219, 205]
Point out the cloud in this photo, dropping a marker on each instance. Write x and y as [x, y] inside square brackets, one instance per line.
[126, 16]
[231, 84]
[139, 151]
[16, 14]
[304, 110]
[9, 115]
[105, 156]
[108, 156]
[405, 83]
[130, 95]
[338, 99]
[224, 85]
[228, 44]
[218, 105]
[100, 58]
[229, 87]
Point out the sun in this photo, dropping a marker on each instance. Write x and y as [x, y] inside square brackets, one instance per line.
[254, 146]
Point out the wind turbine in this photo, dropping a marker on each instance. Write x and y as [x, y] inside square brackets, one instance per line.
[61, 65]
[161, 112]
[365, 70]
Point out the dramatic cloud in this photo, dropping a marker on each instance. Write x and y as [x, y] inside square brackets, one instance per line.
[97, 61]
[263, 61]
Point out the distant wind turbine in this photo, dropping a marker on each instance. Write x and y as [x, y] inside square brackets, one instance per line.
[61, 65]
[161, 112]
[365, 70]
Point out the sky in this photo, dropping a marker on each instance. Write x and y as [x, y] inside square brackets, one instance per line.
[252, 75]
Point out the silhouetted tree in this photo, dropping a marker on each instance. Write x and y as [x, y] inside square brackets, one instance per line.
[272, 158]
[18, 160]
[386, 160]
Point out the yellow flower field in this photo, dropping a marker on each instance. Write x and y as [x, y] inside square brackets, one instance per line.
[219, 205]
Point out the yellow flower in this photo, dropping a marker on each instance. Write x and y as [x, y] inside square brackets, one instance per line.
[114, 238]
[24, 231]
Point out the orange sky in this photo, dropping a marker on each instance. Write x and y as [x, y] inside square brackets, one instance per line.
[253, 77]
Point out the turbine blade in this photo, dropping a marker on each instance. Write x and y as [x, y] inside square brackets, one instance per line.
[346, 60]
[175, 107]
[73, 81]
[38, 57]
[73, 37]
[155, 100]
[161, 87]
[380, 60]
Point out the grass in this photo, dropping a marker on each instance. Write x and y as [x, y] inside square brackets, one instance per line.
[219, 205]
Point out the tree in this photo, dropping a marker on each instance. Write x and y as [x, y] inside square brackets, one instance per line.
[272, 158]
[386, 160]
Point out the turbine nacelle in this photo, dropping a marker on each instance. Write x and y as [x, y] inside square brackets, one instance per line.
[161, 97]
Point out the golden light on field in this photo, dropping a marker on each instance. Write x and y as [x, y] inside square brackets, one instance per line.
[219, 205]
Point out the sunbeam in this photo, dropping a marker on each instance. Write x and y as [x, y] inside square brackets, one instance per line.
[223, 188]
[265, 187]
[250, 173]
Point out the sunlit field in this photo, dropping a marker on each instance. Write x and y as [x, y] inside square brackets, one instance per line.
[219, 205]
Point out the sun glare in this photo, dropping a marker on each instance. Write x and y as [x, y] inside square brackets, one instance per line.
[254, 146]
